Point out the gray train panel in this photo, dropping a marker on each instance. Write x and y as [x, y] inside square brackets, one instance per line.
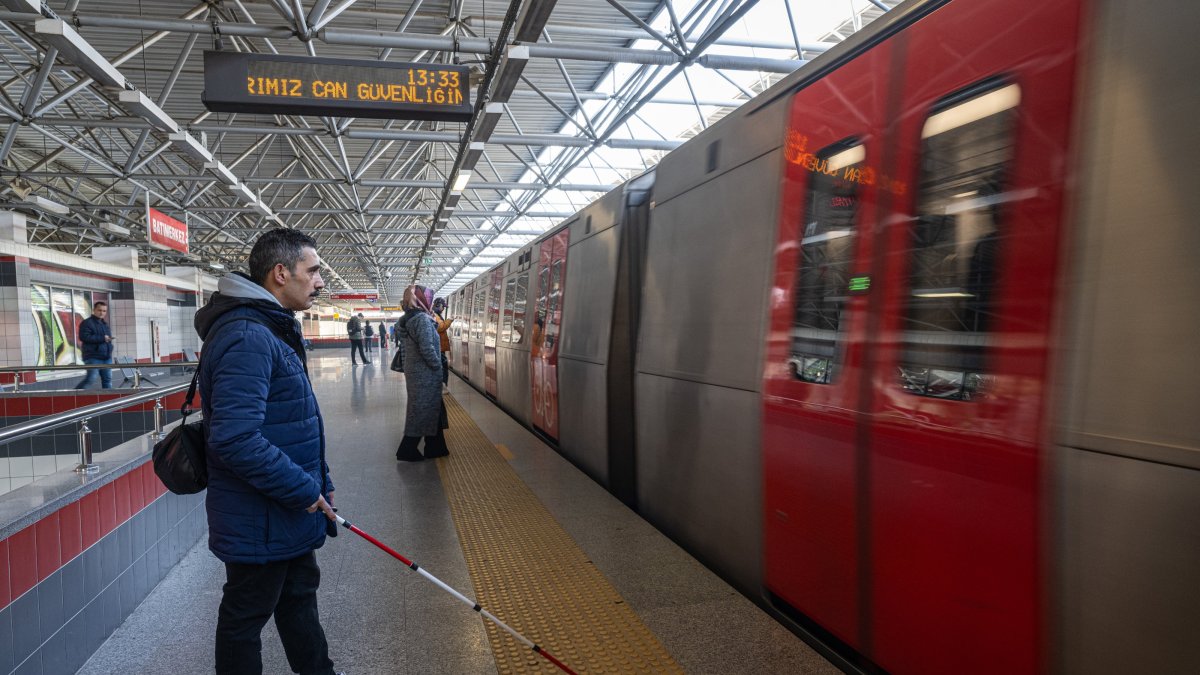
[1129, 566]
[1135, 388]
[700, 472]
[583, 416]
[512, 373]
[588, 306]
[708, 275]
[740, 137]
[587, 327]
[1127, 481]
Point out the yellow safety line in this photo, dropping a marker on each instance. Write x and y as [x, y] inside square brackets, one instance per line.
[505, 452]
[530, 574]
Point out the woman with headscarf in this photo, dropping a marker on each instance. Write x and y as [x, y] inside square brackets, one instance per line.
[425, 415]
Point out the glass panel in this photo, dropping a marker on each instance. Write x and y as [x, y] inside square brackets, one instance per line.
[957, 238]
[555, 296]
[477, 314]
[539, 328]
[43, 320]
[65, 351]
[518, 334]
[825, 262]
[506, 328]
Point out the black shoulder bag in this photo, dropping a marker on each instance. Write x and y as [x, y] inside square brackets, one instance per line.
[180, 459]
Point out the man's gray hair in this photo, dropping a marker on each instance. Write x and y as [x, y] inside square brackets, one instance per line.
[279, 246]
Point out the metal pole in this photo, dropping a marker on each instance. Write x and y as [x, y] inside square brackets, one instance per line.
[85, 450]
[158, 419]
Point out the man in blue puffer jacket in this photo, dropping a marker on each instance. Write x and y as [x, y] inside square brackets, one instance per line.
[269, 492]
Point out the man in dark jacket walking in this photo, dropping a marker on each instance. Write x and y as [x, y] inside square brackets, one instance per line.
[354, 327]
[269, 491]
[97, 342]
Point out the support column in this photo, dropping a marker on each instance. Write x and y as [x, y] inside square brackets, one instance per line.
[19, 342]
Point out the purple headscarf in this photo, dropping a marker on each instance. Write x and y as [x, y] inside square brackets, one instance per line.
[419, 297]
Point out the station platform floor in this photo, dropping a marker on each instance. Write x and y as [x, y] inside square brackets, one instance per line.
[506, 521]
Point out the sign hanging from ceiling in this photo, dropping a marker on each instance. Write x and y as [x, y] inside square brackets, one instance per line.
[299, 85]
[354, 295]
[165, 231]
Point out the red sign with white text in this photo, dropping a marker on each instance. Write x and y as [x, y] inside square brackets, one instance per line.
[369, 297]
[166, 232]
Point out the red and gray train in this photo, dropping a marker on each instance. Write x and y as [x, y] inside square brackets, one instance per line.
[906, 347]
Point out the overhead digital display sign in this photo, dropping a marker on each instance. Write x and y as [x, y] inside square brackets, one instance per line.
[297, 85]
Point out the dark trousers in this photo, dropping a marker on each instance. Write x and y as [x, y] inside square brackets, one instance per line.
[357, 344]
[286, 589]
[445, 369]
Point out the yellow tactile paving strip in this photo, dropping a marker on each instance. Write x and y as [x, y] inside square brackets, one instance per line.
[531, 575]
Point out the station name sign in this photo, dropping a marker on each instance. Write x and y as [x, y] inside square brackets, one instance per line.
[297, 85]
[166, 232]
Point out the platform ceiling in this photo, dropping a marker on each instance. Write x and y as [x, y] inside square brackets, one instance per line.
[101, 111]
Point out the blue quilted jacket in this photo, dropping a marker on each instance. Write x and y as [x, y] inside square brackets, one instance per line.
[265, 433]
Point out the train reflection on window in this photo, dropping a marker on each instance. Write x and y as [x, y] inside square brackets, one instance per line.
[957, 236]
[825, 260]
[509, 295]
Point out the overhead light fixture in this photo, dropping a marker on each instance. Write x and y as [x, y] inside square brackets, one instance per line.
[460, 181]
[113, 228]
[44, 204]
[216, 265]
[139, 104]
[72, 47]
[222, 172]
[189, 145]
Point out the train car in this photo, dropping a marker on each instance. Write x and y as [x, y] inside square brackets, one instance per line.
[904, 347]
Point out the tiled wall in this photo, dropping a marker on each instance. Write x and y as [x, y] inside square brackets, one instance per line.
[69, 580]
[18, 337]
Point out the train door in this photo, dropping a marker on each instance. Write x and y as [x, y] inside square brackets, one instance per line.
[812, 391]
[492, 327]
[957, 378]
[466, 298]
[551, 275]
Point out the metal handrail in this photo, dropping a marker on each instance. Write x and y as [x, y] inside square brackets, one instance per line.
[82, 415]
[32, 427]
[112, 366]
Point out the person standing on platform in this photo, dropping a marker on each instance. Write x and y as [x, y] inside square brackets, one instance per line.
[97, 341]
[425, 414]
[270, 496]
[355, 328]
[382, 337]
[443, 325]
[368, 334]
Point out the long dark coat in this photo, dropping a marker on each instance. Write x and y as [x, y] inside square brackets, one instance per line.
[422, 374]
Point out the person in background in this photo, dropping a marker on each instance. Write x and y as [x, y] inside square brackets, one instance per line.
[368, 334]
[425, 413]
[270, 496]
[355, 329]
[443, 325]
[383, 335]
[97, 341]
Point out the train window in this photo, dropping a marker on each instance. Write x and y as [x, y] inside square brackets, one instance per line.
[826, 257]
[552, 328]
[957, 237]
[543, 291]
[509, 298]
[477, 314]
[518, 326]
